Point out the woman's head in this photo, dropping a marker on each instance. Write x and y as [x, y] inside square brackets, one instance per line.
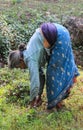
[49, 32]
[15, 58]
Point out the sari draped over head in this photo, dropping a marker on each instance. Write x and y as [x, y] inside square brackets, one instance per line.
[61, 68]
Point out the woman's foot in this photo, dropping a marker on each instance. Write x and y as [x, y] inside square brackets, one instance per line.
[32, 103]
[59, 106]
[75, 79]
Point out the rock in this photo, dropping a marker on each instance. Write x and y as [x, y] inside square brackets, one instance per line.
[75, 27]
[1, 65]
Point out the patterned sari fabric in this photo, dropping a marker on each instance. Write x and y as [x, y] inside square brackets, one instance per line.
[61, 69]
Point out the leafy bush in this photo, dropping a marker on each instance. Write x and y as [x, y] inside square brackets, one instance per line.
[4, 40]
[18, 27]
[19, 94]
[16, 84]
[3, 49]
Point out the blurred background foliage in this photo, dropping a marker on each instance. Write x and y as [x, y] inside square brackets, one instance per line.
[20, 18]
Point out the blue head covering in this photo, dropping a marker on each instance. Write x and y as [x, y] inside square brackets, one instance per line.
[50, 32]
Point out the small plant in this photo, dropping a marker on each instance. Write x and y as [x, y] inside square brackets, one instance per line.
[16, 86]
[16, 1]
[20, 94]
[31, 115]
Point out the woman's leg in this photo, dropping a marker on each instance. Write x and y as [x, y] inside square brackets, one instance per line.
[42, 81]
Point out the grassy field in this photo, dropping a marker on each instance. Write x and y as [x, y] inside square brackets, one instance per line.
[14, 115]
[60, 8]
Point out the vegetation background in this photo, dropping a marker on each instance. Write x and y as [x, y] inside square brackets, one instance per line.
[18, 21]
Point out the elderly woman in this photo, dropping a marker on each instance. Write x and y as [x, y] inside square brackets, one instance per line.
[61, 69]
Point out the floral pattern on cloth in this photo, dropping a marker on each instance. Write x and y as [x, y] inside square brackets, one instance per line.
[61, 68]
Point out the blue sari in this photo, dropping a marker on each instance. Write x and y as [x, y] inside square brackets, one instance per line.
[61, 68]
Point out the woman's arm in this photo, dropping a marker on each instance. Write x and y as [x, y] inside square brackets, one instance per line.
[34, 78]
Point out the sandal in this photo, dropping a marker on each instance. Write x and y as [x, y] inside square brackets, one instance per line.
[59, 106]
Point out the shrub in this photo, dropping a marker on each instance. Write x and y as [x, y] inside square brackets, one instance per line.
[16, 85]
[4, 41]
[18, 27]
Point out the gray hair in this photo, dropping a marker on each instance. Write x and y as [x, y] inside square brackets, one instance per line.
[14, 59]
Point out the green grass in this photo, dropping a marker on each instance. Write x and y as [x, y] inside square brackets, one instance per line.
[16, 117]
[61, 9]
